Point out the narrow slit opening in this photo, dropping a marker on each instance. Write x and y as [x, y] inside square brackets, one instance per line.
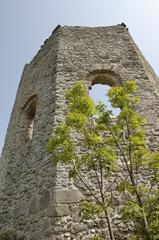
[30, 117]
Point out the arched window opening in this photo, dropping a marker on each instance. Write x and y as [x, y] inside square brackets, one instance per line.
[98, 92]
[100, 82]
[30, 110]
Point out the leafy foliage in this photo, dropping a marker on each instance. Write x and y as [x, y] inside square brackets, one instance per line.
[111, 146]
[98, 237]
[90, 210]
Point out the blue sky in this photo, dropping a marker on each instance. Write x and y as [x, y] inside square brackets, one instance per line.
[25, 24]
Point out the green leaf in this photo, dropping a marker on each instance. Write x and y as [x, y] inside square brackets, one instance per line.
[132, 210]
[90, 210]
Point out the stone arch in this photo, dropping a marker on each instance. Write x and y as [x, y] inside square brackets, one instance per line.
[103, 76]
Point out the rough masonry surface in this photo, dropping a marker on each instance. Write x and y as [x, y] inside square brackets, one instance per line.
[37, 200]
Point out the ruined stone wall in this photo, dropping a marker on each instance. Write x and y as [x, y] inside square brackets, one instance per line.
[27, 174]
[36, 198]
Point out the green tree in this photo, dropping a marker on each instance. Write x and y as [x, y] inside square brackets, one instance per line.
[92, 141]
[141, 178]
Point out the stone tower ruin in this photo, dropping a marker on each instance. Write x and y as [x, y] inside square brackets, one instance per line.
[37, 201]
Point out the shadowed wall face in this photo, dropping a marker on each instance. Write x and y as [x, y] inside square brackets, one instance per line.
[37, 197]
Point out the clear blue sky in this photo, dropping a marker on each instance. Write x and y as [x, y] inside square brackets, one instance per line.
[25, 24]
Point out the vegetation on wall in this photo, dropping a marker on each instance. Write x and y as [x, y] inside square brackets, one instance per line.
[115, 151]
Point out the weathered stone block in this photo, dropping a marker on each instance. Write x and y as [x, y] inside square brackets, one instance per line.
[33, 206]
[61, 210]
[35, 236]
[48, 233]
[78, 227]
[4, 217]
[44, 200]
[19, 211]
[20, 235]
[68, 196]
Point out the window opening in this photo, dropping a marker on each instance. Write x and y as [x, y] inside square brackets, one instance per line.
[30, 109]
[101, 81]
[98, 92]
